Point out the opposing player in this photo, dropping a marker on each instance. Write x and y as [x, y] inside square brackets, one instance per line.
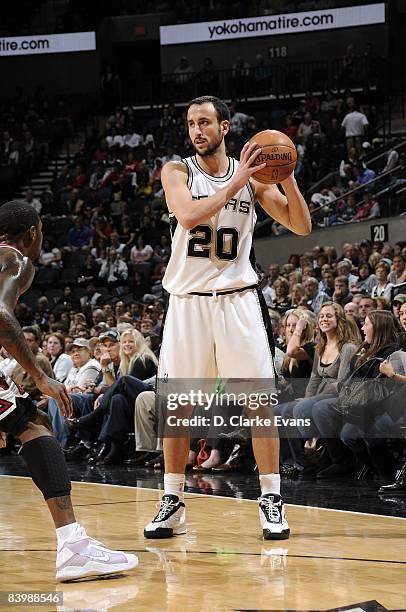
[215, 324]
[78, 555]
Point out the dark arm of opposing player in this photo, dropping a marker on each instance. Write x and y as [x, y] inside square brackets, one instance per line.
[13, 280]
[290, 209]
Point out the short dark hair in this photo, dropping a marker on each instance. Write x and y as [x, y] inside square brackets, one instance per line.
[342, 279]
[221, 108]
[16, 218]
[32, 330]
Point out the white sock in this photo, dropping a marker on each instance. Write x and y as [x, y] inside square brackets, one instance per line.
[66, 533]
[270, 483]
[174, 484]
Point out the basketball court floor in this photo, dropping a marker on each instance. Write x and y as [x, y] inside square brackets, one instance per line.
[335, 558]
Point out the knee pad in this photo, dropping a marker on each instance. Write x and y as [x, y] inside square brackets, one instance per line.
[45, 460]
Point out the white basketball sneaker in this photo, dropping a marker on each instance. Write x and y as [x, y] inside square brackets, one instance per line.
[169, 521]
[82, 557]
[272, 517]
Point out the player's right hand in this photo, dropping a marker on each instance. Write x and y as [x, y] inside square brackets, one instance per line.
[56, 390]
[3, 439]
[249, 153]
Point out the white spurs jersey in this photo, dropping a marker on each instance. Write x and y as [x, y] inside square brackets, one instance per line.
[214, 255]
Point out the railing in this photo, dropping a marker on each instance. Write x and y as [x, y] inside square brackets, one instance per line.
[371, 161]
[271, 81]
[332, 204]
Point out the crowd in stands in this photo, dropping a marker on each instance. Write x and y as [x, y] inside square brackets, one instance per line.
[31, 129]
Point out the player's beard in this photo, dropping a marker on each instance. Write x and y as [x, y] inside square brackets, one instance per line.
[213, 148]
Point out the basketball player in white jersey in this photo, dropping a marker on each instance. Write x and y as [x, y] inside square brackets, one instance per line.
[215, 325]
[78, 555]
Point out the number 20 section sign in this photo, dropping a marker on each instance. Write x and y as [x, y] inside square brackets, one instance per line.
[379, 232]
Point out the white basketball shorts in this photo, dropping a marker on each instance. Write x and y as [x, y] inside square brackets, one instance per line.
[209, 336]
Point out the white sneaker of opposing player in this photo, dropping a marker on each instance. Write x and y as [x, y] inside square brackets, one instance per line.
[169, 521]
[272, 517]
[82, 557]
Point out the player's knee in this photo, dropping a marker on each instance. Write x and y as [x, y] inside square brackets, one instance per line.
[33, 430]
[46, 463]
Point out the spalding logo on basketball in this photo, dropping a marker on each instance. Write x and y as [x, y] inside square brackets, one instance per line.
[279, 154]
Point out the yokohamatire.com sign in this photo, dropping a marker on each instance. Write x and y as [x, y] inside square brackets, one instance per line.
[271, 25]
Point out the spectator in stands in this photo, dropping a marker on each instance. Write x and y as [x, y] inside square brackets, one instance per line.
[61, 362]
[79, 235]
[6, 146]
[355, 124]
[392, 160]
[342, 295]
[238, 120]
[369, 209]
[365, 305]
[97, 177]
[327, 281]
[282, 300]
[113, 268]
[362, 175]
[398, 274]
[305, 129]
[351, 309]
[91, 297]
[115, 139]
[73, 202]
[347, 209]
[313, 298]
[13, 158]
[296, 295]
[32, 201]
[366, 280]
[397, 302]
[344, 269]
[85, 370]
[50, 255]
[141, 255]
[382, 288]
[20, 376]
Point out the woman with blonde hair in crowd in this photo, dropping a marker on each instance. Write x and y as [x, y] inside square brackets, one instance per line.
[296, 294]
[294, 278]
[334, 350]
[136, 358]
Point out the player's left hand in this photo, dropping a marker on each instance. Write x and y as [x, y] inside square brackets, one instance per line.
[56, 390]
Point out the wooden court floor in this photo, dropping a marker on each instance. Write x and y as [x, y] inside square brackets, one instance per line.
[332, 559]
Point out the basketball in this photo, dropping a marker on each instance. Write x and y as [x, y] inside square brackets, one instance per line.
[279, 153]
